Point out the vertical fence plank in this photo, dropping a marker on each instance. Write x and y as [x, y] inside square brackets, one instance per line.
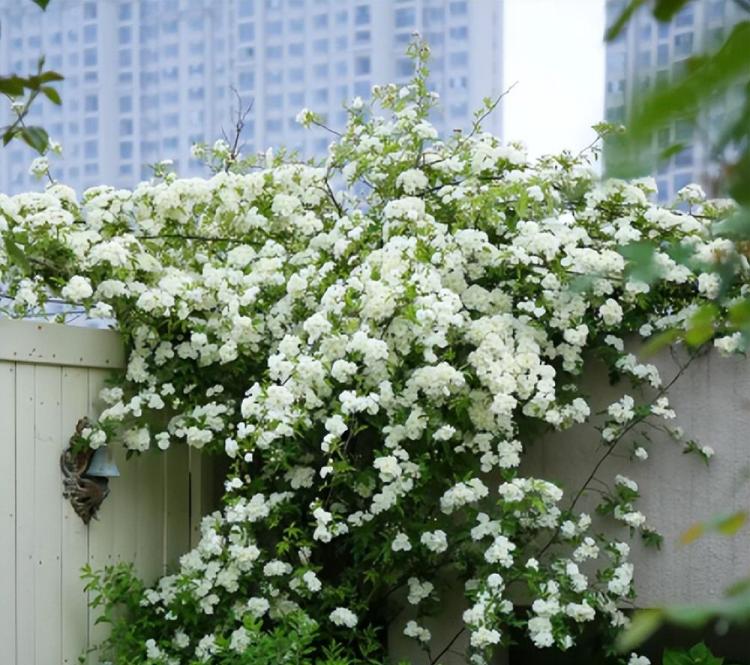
[74, 532]
[177, 502]
[8, 510]
[48, 509]
[26, 505]
[149, 558]
[101, 531]
[195, 475]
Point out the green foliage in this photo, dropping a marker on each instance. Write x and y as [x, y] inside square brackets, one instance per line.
[700, 654]
[115, 593]
[15, 87]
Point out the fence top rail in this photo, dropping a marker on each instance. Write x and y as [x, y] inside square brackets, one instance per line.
[38, 342]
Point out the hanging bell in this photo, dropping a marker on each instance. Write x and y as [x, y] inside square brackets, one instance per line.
[102, 464]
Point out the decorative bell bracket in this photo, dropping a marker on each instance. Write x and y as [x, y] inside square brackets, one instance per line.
[86, 475]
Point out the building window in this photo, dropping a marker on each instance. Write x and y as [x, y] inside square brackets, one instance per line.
[683, 44]
[247, 80]
[362, 65]
[89, 57]
[124, 34]
[362, 15]
[405, 18]
[247, 32]
[126, 104]
[362, 89]
[89, 10]
[458, 8]
[91, 125]
[246, 8]
[126, 150]
[126, 126]
[91, 103]
[459, 59]
[404, 67]
[126, 11]
[91, 149]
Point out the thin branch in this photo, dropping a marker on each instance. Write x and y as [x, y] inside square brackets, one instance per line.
[239, 126]
[613, 445]
[327, 128]
[448, 646]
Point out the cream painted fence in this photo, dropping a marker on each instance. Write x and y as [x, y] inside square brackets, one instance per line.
[50, 377]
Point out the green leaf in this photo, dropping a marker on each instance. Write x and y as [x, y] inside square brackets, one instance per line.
[52, 94]
[730, 524]
[664, 10]
[50, 77]
[12, 86]
[9, 134]
[707, 75]
[641, 261]
[41, 3]
[623, 19]
[701, 326]
[36, 138]
[644, 624]
[657, 342]
[15, 254]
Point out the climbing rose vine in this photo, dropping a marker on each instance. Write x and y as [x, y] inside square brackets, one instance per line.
[373, 342]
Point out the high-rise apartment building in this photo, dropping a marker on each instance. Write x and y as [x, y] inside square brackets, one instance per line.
[648, 54]
[145, 79]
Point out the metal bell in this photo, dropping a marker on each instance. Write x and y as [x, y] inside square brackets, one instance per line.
[102, 464]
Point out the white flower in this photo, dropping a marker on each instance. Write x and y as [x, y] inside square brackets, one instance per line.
[635, 659]
[342, 616]
[311, 581]
[482, 637]
[39, 167]
[709, 284]
[611, 312]
[435, 541]
[401, 543]
[412, 181]
[77, 289]
[418, 590]
[257, 606]
[414, 630]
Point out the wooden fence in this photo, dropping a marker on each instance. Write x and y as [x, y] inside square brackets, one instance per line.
[50, 377]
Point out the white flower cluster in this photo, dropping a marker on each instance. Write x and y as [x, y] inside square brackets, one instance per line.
[373, 360]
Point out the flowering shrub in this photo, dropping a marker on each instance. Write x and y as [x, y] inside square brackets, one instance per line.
[373, 356]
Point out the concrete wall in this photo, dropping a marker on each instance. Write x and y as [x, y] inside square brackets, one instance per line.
[712, 401]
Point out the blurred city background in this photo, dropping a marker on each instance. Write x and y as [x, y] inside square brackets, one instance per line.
[146, 79]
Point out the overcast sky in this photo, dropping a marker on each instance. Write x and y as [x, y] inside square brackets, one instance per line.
[554, 49]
